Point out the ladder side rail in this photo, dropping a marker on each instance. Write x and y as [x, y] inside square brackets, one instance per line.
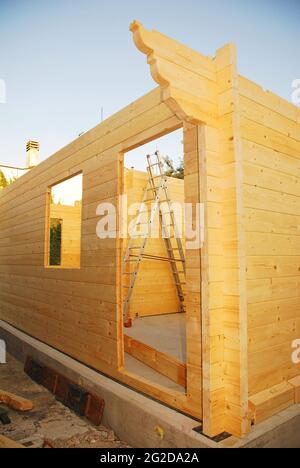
[172, 214]
[134, 274]
[170, 249]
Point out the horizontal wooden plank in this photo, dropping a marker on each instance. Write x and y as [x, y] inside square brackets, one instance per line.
[268, 99]
[15, 402]
[272, 180]
[268, 200]
[262, 267]
[257, 133]
[263, 290]
[164, 364]
[269, 402]
[173, 51]
[75, 289]
[257, 220]
[258, 112]
[6, 443]
[260, 243]
[278, 333]
[270, 158]
[273, 311]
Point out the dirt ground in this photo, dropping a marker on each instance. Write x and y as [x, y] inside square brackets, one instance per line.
[49, 423]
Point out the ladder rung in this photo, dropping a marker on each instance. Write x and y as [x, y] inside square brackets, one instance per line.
[152, 200]
[153, 188]
[156, 257]
[156, 164]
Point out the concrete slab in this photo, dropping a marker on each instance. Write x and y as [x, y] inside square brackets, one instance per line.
[135, 418]
[138, 368]
[166, 333]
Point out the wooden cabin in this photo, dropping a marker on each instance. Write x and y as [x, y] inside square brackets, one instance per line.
[227, 360]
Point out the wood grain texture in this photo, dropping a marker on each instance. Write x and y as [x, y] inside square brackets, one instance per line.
[269, 402]
[270, 128]
[7, 443]
[160, 362]
[15, 402]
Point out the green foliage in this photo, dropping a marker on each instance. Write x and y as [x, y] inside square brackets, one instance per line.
[3, 181]
[55, 242]
[172, 171]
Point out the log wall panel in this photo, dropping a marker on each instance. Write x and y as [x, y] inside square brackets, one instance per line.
[271, 148]
[49, 302]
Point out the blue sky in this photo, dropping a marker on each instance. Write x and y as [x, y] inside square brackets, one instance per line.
[62, 60]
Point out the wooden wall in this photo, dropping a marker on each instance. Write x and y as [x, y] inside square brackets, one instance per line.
[154, 291]
[79, 311]
[270, 130]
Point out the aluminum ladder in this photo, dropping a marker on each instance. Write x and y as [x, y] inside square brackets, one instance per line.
[157, 193]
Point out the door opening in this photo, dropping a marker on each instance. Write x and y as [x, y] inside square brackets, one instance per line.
[153, 270]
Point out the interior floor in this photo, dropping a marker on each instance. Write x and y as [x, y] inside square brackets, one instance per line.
[138, 368]
[165, 333]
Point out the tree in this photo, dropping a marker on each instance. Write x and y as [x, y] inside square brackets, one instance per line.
[55, 242]
[3, 181]
[171, 171]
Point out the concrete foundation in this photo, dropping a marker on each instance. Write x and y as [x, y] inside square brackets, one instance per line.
[136, 418]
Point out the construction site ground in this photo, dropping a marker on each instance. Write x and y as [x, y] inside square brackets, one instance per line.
[50, 423]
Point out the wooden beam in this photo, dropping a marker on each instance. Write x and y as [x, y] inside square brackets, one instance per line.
[8, 443]
[166, 365]
[265, 404]
[296, 385]
[15, 402]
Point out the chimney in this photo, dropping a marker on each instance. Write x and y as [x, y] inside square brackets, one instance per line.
[32, 154]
